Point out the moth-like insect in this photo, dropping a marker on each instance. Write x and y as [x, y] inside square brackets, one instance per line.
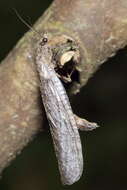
[62, 121]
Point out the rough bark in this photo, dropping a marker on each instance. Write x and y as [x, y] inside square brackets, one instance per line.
[100, 29]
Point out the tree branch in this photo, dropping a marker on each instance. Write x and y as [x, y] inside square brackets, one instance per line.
[99, 27]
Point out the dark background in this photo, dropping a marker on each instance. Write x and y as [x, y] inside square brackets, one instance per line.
[102, 100]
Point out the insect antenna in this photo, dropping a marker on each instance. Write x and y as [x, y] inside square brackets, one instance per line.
[28, 25]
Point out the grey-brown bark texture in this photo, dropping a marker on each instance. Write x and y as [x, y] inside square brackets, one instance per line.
[100, 29]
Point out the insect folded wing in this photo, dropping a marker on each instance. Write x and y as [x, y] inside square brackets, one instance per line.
[62, 125]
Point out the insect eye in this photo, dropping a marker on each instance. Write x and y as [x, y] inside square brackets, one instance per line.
[43, 41]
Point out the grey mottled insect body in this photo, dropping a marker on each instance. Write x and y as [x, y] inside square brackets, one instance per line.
[61, 119]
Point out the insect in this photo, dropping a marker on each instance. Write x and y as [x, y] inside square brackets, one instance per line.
[63, 123]
[61, 119]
